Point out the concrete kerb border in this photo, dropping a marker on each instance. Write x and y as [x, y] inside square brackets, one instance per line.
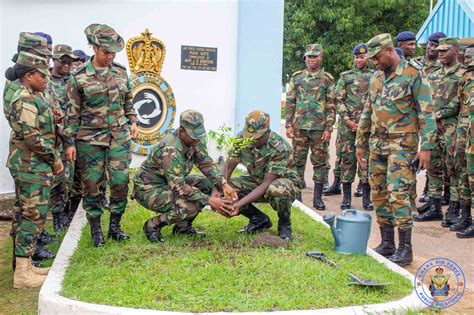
[51, 302]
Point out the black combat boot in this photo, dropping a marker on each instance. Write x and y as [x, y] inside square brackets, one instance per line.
[452, 214]
[359, 192]
[466, 219]
[73, 204]
[153, 231]
[386, 247]
[258, 221]
[446, 196]
[434, 213]
[45, 238]
[424, 207]
[346, 196]
[317, 197]
[424, 196]
[42, 253]
[366, 200]
[57, 222]
[404, 254]
[284, 225]
[115, 232]
[186, 228]
[335, 188]
[326, 182]
[96, 232]
[467, 233]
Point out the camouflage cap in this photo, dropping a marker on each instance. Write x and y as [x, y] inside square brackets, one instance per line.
[104, 36]
[61, 50]
[33, 61]
[193, 122]
[36, 42]
[447, 43]
[257, 123]
[313, 50]
[377, 43]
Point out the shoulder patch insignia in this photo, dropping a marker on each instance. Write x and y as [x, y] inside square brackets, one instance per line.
[415, 64]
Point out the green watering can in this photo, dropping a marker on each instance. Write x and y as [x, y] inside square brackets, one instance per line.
[351, 232]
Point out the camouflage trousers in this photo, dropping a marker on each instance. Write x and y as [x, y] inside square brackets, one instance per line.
[32, 199]
[310, 139]
[439, 157]
[74, 180]
[93, 160]
[470, 170]
[348, 162]
[337, 165]
[172, 208]
[460, 159]
[280, 194]
[393, 185]
[59, 192]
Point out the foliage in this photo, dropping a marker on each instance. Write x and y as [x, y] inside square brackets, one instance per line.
[225, 143]
[341, 24]
[222, 272]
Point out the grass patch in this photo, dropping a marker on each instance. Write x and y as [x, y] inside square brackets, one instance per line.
[18, 301]
[222, 272]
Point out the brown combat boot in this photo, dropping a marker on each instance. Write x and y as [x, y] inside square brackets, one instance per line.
[38, 271]
[24, 277]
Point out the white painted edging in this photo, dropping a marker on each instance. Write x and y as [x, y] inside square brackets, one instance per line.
[51, 302]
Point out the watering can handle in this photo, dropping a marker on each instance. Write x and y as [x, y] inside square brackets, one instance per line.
[354, 212]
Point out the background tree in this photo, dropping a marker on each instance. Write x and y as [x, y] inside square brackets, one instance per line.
[340, 24]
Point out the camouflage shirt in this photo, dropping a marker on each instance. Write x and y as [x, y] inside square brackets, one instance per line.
[33, 140]
[466, 97]
[99, 107]
[171, 161]
[397, 108]
[10, 88]
[444, 83]
[272, 158]
[310, 101]
[57, 86]
[428, 65]
[351, 89]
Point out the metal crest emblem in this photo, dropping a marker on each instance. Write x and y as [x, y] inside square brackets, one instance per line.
[153, 99]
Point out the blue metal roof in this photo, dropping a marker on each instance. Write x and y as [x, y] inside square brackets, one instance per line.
[455, 18]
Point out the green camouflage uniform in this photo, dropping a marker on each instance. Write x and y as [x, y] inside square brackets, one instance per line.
[466, 94]
[274, 157]
[397, 111]
[98, 121]
[351, 90]
[163, 183]
[429, 66]
[31, 158]
[444, 82]
[310, 110]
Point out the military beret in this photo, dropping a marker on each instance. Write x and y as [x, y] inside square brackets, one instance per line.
[399, 51]
[33, 41]
[435, 37]
[61, 50]
[104, 36]
[405, 36]
[193, 122]
[47, 36]
[360, 49]
[313, 50]
[33, 61]
[81, 55]
[447, 42]
[377, 43]
[257, 123]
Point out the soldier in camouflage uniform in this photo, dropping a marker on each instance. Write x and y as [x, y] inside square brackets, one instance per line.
[310, 115]
[444, 82]
[99, 125]
[430, 63]
[57, 86]
[351, 89]
[464, 226]
[407, 42]
[163, 183]
[270, 178]
[32, 160]
[397, 111]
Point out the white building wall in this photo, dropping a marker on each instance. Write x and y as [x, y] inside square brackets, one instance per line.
[210, 23]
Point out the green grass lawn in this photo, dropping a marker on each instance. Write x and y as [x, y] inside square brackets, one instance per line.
[222, 272]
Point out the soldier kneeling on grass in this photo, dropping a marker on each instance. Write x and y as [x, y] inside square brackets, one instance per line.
[163, 183]
[270, 177]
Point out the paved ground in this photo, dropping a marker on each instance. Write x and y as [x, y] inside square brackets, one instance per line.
[430, 240]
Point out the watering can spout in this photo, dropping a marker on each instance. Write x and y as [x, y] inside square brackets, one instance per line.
[336, 233]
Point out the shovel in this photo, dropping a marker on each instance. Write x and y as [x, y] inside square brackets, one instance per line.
[356, 280]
